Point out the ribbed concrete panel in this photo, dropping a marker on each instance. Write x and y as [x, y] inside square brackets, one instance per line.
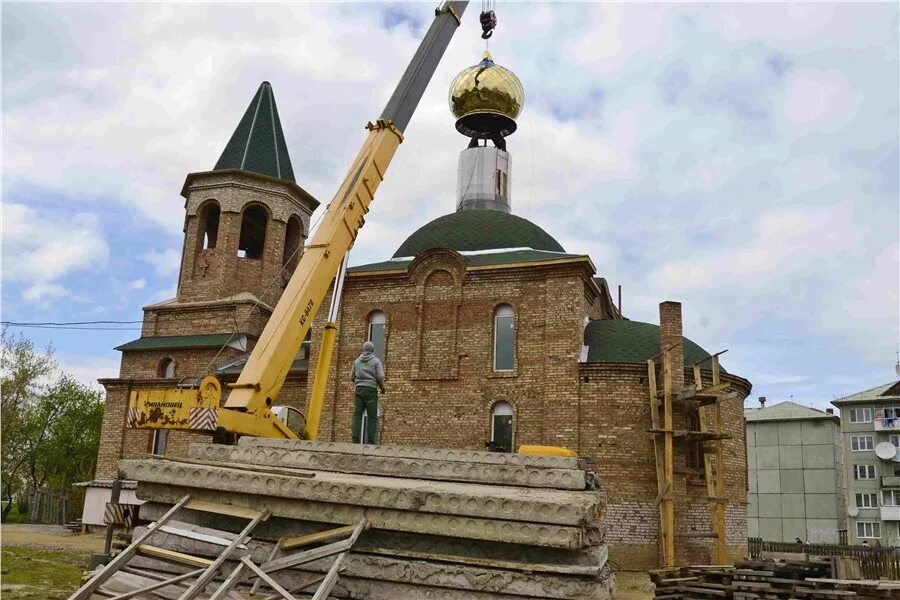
[493, 502]
[364, 464]
[395, 520]
[473, 456]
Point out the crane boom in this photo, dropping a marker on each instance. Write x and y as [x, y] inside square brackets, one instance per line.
[246, 410]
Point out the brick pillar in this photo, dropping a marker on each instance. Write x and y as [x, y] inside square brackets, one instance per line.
[670, 336]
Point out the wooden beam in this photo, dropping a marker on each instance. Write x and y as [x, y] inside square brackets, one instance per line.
[173, 556]
[204, 579]
[86, 590]
[286, 562]
[223, 509]
[331, 577]
[157, 585]
[263, 575]
[661, 487]
[275, 550]
[316, 538]
[668, 502]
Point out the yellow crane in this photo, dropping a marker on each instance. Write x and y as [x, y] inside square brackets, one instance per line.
[248, 408]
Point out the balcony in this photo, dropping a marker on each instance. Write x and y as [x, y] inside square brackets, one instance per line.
[890, 513]
[892, 424]
[890, 481]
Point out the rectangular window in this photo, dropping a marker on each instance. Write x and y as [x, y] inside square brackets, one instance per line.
[892, 412]
[867, 500]
[860, 415]
[895, 440]
[376, 336]
[863, 471]
[504, 341]
[867, 529]
[158, 443]
[890, 498]
[862, 443]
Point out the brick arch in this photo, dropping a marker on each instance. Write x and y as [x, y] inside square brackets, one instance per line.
[491, 405]
[439, 258]
[440, 299]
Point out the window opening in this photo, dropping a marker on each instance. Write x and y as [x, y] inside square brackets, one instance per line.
[867, 501]
[209, 225]
[860, 415]
[502, 427]
[863, 471]
[504, 338]
[253, 233]
[293, 237]
[376, 333]
[166, 368]
[890, 497]
[158, 444]
[866, 529]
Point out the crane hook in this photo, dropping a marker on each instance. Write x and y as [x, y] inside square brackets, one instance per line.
[488, 23]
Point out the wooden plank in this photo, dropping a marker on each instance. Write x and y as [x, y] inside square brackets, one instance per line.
[173, 556]
[196, 535]
[200, 584]
[275, 550]
[286, 562]
[222, 509]
[232, 580]
[668, 502]
[272, 583]
[661, 488]
[309, 583]
[331, 577]
[316, 538]
[86, 590]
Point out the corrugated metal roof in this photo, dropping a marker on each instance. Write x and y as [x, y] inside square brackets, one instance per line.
[888, 391]
[786, 411]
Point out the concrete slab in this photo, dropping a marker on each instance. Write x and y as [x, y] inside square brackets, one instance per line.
[821, 506]
[790, 457]
[277, 527]
[820, 481]
[421, 496]
[792, 481]
[770, 529]
[753, 527]
[768, 481]
[420, 572]
[530, 534]
[791, 529]
[793, 506]
[440, 470]
[447, 454]
[769, 506]
[818, 432]
[767, 457]
[752, 506]
[789, 433]
[766, 434]
[818, 456]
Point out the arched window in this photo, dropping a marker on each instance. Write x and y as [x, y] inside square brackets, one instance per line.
[502, 427]
[504, 338]
[166, 368]
[208, 227]
[376, 333]
[253, 232]
[293, 238]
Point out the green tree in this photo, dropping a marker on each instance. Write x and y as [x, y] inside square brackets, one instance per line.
[51, 422]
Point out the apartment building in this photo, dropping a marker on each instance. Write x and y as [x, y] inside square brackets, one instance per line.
[795, 474]
[870, 425]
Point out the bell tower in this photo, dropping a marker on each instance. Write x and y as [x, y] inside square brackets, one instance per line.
[246, 219]
[485, 99]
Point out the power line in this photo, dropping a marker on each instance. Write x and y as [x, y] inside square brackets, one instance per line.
[26, 323]
[65, 326]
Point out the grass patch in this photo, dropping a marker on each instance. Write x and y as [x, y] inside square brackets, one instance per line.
[16, 517]
[35, 574]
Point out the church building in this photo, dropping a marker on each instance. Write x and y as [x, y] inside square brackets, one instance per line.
[492, 334]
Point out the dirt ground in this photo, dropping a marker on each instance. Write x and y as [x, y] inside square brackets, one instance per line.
[633, 585]
[43, 562]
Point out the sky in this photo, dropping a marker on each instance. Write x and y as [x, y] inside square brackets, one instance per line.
[741, 158]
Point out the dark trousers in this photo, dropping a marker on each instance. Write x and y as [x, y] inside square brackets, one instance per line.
[366, 400]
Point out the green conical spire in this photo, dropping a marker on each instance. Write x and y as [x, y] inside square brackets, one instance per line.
[258, 144]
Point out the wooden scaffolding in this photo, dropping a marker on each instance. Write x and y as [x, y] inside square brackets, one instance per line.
[691, 397]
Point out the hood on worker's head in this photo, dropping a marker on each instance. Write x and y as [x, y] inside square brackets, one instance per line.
[368, 351]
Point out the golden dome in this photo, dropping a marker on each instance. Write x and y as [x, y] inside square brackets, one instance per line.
[486, 99]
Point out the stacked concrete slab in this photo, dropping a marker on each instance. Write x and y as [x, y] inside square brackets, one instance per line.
[444, 523]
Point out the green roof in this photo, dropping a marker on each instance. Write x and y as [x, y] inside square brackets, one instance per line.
[234, 367]
[258, 145]
[623, 341]
[478, 230]
[171, 342]
[488, 258]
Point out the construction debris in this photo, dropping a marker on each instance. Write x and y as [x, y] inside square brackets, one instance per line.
[406, 523]
[770, 579]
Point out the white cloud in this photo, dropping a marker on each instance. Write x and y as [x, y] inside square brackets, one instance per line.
[40, 250]
[165, 263]
[88, 369]
[821, 100]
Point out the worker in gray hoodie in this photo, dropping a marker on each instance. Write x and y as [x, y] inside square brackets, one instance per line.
[368, 375]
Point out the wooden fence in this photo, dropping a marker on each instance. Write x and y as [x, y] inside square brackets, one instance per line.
[875, 562]
[48, 506]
